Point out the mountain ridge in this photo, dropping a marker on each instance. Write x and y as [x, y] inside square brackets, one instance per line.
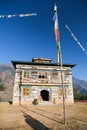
[7, 74]
[81, 85]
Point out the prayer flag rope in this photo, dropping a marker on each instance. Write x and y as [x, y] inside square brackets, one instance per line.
[74, 37]
[18, 15]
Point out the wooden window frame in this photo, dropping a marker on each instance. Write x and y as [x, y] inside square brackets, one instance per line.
[26, 92]
[26, 74]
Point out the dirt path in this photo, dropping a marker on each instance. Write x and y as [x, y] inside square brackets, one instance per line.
[42, 117]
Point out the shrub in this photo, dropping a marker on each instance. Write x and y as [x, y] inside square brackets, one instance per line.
[0, 99]
[1, 85]
[35, 101]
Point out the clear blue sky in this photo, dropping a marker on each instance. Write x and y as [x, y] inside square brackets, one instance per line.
[22, 39]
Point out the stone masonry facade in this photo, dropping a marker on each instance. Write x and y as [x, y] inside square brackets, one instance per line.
[41, 80]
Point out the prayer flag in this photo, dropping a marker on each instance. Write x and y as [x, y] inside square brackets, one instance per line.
[56, 30]
[57, 37]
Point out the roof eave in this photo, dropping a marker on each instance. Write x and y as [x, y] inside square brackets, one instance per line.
[36, 63]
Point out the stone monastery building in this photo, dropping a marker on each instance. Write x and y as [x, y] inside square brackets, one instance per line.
[41, 80]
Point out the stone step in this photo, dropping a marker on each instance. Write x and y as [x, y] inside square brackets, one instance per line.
[43, 103]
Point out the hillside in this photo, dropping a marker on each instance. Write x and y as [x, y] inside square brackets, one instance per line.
[81, 85]
[7, 73]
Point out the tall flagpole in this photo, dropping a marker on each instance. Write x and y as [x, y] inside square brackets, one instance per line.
[59, 56]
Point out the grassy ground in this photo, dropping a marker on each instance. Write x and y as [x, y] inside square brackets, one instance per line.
[43, 117]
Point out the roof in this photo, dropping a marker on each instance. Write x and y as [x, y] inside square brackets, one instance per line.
[41, 60]
[40, 64]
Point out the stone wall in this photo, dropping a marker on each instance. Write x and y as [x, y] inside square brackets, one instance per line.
[42, 78]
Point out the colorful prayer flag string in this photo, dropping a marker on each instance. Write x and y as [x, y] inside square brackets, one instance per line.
[76, 39]
[18, 15]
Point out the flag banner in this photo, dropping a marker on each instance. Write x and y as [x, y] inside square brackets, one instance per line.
[57, 37]
[56, 30]
[18, 15]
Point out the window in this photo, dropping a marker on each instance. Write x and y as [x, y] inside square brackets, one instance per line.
[26, 74]
[43, 75]
[26, 91]
[61, 92]
[55, 75]
[67, 75]
[46, 75]
[34, 74]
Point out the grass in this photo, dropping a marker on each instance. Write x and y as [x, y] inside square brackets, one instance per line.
[43, 117]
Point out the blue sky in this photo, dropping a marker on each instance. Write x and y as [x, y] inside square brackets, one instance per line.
[22, 39]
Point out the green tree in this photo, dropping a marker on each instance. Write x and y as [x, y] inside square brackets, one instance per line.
[78, 95]
[1, 85]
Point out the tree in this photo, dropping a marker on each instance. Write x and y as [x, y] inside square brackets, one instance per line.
[78, 95]
[1, 85]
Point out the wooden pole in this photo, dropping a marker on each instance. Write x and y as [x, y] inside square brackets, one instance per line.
[62, 81]
[59, 58]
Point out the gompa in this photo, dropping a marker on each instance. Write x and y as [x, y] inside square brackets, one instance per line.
[40, 79]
